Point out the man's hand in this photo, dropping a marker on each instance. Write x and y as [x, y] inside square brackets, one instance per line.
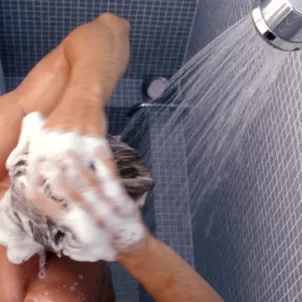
[102, 196]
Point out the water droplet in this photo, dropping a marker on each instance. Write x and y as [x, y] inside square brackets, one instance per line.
[42, 275]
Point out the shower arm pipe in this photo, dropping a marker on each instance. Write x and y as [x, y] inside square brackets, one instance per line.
[137, 107]
[279, 22]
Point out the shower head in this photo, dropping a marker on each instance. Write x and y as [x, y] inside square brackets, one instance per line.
[279, 22]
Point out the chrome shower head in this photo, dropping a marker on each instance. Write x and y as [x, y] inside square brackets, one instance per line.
[279, 22]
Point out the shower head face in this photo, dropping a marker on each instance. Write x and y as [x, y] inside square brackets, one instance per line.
[296, 4]
[279, 22]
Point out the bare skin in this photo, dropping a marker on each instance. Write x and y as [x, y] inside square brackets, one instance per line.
[49, 85]
[81, 73]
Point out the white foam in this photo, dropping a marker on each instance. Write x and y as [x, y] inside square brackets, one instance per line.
[20, 247]
[112, 189]
[92, 242]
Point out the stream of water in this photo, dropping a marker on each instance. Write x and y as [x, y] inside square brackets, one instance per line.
[218, 94]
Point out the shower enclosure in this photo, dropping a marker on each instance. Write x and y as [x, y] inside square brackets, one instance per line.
[245, 238]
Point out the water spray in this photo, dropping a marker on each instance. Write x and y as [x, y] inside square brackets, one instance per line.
[279, 22]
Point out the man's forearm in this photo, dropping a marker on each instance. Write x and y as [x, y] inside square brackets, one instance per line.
[98, 54]
[165, 275]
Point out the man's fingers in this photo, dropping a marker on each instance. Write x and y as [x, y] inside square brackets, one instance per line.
[86, 199]
[85, 175]
[99, 180]
[87, 192]
[96, 189]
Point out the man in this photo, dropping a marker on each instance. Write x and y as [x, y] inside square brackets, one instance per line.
[71, 86]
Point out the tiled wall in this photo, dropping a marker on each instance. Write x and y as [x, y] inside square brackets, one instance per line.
[160, 31]
[171, 198]
[247, 235]
[2, 81]
[212, 18]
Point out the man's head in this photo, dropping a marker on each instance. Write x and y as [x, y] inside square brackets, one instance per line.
[51, 234]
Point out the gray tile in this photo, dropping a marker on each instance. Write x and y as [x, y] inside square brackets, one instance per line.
[160, 31]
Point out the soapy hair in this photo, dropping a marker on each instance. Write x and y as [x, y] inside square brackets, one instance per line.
[134, 175]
